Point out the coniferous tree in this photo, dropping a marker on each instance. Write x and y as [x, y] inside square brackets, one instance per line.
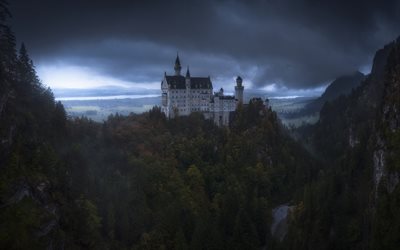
[7, 77]
[7, 49]
[26, 71]
[7, 52]
[4, 12]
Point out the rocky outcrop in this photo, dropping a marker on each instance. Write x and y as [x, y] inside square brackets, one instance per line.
[279, 227]
[388, 122]
[379, 167]
[380, 59]
[40, 194]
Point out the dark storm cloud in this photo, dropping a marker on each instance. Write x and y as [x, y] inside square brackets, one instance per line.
[297, 44]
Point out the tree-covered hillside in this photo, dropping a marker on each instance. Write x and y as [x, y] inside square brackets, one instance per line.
[138, 181]
[147, 182]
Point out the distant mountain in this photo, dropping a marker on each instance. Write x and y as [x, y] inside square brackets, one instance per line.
[341, 86]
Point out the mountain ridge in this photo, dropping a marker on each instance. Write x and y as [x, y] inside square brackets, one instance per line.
[340, 86]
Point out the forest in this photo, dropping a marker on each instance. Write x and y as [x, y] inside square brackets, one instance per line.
[146, 182]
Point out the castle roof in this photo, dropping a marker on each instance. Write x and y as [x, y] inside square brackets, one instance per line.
[178, 82]
[227, 97]
[200, 83]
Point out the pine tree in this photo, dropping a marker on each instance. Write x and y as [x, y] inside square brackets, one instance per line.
[59, 117]
[7, 68]
[7, 54]
[26, 70]
[7, 40]
[4, 12]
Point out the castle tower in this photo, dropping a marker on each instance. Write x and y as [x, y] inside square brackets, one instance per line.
[177, 66]
[239, 89]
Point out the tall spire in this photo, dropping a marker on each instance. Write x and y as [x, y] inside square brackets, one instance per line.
[187, 73]
[177, 65]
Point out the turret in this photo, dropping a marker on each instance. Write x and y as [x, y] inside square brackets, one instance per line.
[239, 89]
[177, 66]
[239, 81]
[187, 78]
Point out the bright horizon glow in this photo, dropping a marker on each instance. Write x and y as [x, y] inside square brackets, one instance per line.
[60, 76]
[286, 97]
[65, 76]
[113, 97]
[284, 92]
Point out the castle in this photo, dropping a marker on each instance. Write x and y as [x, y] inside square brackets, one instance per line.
[182, 95]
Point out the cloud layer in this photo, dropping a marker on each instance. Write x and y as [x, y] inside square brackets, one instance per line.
[291, 44]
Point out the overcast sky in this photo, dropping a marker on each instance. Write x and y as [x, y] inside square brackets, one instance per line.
[279, 46]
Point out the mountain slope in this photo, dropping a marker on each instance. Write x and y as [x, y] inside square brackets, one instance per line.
[354, 205]
[341, 86]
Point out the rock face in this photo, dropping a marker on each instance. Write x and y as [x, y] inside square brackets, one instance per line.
[380, 59]
[279, 225]
[379, 164]
[389, 120]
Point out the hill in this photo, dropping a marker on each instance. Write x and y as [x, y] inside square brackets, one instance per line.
[309, 112]
[340, 86]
